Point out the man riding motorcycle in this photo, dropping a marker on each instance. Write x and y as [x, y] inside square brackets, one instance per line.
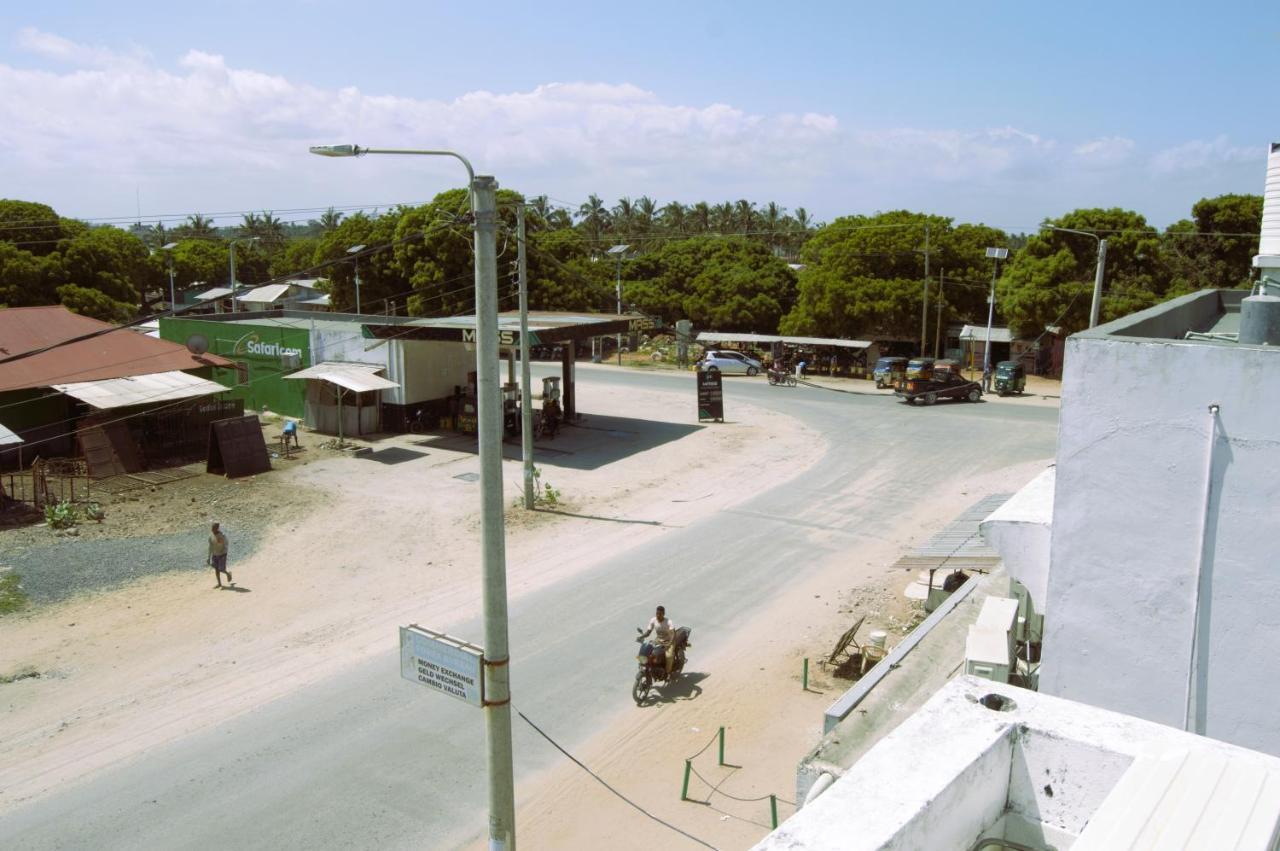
[664, 636]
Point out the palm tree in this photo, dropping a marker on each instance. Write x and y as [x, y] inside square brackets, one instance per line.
[329, 220]
[772, 218]
[646, 212]
[672, 217]
[701, 215]
[624, 218]
[744, 213]
[250, 225]
[722, 217]
[270, 230]
[594, 216]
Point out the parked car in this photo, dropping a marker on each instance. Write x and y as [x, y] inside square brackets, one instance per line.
[943, 385]
[729, 362]
[889, 371]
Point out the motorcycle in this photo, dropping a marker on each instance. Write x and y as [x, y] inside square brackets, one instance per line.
[653, 666]
[782, 377]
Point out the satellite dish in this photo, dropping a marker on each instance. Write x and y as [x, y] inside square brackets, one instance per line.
[197, 344]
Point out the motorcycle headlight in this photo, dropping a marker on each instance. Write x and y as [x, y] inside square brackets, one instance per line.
[640, 659]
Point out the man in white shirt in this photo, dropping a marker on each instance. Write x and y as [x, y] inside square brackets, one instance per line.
[664, 635]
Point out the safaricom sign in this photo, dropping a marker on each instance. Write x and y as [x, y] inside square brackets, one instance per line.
[253, 346]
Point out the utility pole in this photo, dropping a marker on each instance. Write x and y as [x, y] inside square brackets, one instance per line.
[996, 255]
[232, 282]
[924, 311]
[1096, 307]
[357, 285]
[526, 397]
[497, 684]
[937, 336]
[619, 292]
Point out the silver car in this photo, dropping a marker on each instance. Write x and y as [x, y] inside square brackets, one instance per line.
[732, 363]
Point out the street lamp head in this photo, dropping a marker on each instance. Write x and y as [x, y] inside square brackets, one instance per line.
[618, 249]
[336, 150]
[169, 246]
[997, 253]
[355, 248]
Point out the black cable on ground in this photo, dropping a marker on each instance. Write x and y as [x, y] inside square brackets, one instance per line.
[606, 785]
[715, 790]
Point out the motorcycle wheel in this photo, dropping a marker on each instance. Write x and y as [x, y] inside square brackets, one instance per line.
[640, 690]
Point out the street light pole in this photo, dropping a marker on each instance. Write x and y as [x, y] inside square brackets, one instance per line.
[355, 252]
[617, 251]
[924, 311]
[996, 254]
[1095, 308]
[168, 247]
[526, 398]
[497, 690]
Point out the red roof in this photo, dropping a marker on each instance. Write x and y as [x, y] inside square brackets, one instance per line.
[116, 355]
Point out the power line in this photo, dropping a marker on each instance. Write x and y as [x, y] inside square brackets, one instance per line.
[606, 785]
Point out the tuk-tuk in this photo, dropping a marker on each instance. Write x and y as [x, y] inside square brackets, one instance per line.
[889, 371]
[920, 368]
[946, 368]
[1010, 377]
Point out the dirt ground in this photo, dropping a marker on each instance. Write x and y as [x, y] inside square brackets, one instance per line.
[118, 672]
[759, 682]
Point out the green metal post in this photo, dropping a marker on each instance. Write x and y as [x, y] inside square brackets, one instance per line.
[722, 745]
[773, 810]
[684, 789]
[805, 678]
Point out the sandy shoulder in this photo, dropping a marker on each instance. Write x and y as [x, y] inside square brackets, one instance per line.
[382, 545]
[770, 721]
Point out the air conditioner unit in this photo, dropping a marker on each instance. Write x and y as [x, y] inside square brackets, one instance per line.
[291, 360]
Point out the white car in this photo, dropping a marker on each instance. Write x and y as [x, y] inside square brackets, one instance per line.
[729, 362]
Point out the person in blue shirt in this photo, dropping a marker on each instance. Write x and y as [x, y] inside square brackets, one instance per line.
[290, 432]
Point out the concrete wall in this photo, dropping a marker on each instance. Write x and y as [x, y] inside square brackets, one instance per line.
[1129, 508]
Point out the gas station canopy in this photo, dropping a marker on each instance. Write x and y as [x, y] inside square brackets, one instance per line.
[545, 327]
[769, 339]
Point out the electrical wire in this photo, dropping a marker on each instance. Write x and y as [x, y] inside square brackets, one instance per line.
[606, 785]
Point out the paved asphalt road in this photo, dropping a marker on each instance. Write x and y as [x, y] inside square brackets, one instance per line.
[364, 759]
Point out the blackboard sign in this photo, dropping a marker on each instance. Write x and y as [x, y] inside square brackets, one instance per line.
[710, 395]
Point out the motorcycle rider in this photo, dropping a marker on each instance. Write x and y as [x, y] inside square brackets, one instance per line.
[664, 636]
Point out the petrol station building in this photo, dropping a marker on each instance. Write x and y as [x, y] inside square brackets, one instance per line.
[412, 364]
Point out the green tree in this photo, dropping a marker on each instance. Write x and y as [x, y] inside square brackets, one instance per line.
[112, 262]
[1215, 247]
[1050, 282]
[26, 279]
[33, 227]
[382, 280]
[730, 284]
[94, 303]
[200, 261]
[298, 255]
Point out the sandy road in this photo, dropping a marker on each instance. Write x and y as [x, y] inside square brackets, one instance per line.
[736, 528]
[392, 542]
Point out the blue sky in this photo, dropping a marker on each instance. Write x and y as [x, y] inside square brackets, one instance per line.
[997, 112]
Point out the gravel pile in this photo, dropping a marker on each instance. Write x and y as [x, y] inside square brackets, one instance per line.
[69, 566]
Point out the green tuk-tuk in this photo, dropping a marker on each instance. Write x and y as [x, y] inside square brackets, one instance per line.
[1010, 377]
[889, 371]
[920, 368]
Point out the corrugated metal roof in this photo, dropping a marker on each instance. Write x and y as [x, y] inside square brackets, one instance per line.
[8, 438]
[264, 294]
[1198, 799]
[108, 355]
[215, 293]
[979, 333]
[322, 300]
[729, 337]
[359, 377]
[140, 389]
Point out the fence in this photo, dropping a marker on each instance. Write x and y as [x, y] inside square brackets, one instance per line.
[48, 482]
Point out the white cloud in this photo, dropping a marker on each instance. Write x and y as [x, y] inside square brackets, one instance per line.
[203, 135]
[1200, 155]
[1107, 151]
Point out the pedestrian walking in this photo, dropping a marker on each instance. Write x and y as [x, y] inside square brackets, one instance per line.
[218, 555]
[800, 365]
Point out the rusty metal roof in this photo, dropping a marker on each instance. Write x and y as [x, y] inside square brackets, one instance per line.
[111, 355]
